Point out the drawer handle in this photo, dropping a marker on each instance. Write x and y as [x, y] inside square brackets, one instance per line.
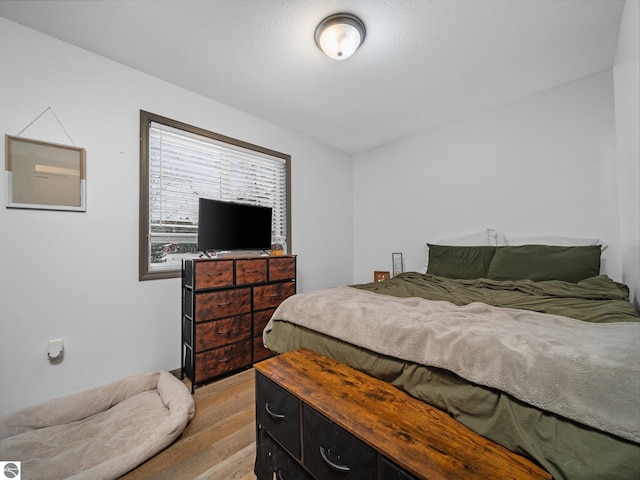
[335, 466]
[224, 304]
[275, 416]
[282, 269]
[217, 274]
[225, 360]
[223, 332]
[251, 271]
[275, 295]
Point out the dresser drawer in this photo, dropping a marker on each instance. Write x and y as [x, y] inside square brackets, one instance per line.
[222, 303]
[278, 412]
[265, 464]
[260, 320]
[222, 360]
[270, 296]
[330, 452]
[208, 274]
[391, 472]
[273, 462]
[252, 270]
[260, 352]
[282, 268]
[221, 332]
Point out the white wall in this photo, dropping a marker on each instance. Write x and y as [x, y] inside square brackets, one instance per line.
[626, 79]
[543, 165]
[75, 275]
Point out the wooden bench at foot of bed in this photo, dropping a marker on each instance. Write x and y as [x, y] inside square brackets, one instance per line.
[318, 419]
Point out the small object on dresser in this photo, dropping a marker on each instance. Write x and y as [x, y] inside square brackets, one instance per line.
[278, 247]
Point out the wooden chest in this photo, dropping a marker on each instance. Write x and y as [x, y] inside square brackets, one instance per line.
[318, 419]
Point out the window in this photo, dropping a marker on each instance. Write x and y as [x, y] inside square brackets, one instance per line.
[180, 163]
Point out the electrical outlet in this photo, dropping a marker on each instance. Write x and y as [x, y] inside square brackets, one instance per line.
[55, 349]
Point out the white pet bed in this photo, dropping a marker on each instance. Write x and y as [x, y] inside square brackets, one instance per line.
[100, 433]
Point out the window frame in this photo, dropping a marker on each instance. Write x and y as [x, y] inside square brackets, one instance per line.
[146, 118]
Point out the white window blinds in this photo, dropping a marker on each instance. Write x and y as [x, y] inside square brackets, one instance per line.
[184, 166]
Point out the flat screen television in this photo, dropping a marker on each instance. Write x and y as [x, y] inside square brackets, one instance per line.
[226, 226]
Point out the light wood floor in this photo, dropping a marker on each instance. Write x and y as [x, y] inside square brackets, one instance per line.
[218, 443]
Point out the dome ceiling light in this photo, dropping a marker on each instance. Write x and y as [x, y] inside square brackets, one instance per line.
[340, 35]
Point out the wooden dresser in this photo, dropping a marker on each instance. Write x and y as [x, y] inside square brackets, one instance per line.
[319, 419]
[226, 303]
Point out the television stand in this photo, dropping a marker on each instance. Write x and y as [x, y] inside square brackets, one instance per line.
[226, 303]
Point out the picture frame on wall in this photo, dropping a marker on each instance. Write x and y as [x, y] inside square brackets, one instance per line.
[398, 263]
[43, 175]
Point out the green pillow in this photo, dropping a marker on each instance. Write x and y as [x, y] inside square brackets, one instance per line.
[545, 262]
[460, 262]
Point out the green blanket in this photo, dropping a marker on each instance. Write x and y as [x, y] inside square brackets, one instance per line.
[597, 299]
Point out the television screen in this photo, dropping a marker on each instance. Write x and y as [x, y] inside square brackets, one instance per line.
[233, 226]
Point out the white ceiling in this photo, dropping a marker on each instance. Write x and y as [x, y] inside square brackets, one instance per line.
[424, 62]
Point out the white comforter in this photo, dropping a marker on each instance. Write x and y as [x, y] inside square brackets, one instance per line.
[583, 371]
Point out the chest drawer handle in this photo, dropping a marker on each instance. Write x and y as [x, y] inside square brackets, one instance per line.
[275, 416]
[217, 274]
[335, 466]
[224, 304]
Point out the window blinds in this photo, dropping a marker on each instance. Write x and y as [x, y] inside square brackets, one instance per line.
[184, 166]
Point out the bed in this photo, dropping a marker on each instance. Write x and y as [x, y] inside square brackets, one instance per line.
[527, 345]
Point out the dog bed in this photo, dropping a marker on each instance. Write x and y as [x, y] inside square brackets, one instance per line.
[100, 433]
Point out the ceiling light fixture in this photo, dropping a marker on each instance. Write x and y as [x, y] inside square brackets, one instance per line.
[340, 35]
